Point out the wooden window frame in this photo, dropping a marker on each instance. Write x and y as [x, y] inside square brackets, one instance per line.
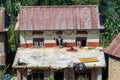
[81, 41]
[37, 33]
[39, 75]
[81, 32]
[38, 42]
[59, 32]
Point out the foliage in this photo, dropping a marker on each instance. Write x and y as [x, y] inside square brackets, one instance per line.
[56, 2]
[51, 77]
[83, 78]
[69, 2]
[86, 2]
[2, 2]
[110, 12]
[12, 8]
[3, 69]
[110, 32]
[11, 40]
[110, 8]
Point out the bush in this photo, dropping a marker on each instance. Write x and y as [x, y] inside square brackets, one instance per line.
[3, 69]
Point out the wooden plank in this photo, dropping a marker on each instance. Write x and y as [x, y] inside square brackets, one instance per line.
[89, 59]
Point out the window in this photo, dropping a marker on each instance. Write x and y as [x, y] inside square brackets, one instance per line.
[38, 42]
[59, 32]
[37, 32]
[36, 76]
[81, 32]
[81, 41]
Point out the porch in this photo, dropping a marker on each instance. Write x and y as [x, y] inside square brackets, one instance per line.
[58, 63]
[64, 74]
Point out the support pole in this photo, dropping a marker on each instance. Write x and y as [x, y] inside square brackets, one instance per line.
[93, 74]
[96, 74]
[46, 74]
[99, 74]
[21, 74]
[69, 74]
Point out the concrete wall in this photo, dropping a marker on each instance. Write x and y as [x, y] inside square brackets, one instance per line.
[26, 37]
[114, 68]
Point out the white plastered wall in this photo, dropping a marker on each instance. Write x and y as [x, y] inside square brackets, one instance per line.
[68, 36]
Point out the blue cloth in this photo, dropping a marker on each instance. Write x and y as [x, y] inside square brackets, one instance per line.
[6, 77]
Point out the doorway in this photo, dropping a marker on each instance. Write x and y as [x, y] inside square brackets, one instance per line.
[36, 76]
[81, 41]
[58, 75]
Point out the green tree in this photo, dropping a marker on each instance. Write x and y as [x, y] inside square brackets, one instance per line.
[56, 2]
[11, 9]
[69, 2]
[2, 2]
[86, 2]
[110, 10]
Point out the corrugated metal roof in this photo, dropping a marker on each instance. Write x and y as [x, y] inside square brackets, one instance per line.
[114, 47]
[56, 58]
[58, 17]
[2, 13]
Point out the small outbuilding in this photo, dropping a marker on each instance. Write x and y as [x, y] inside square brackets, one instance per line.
[114, 59]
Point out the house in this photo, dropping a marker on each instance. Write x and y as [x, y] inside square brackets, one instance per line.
[54, 42]
[2, 37]
[114, 58]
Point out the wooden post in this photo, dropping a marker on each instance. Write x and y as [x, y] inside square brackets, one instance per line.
[69, 74]
[93, 74]
[24, 75]
[99, 74]
[46, 74]
[96, 74]
[21, 74]
[65, 74]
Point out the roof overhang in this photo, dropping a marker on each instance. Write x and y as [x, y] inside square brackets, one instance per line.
[57, 58]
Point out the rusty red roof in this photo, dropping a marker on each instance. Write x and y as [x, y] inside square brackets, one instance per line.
[114, 47]
[2, 10]
[58, 17]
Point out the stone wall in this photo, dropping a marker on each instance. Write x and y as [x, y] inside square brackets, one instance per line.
[114, 68]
